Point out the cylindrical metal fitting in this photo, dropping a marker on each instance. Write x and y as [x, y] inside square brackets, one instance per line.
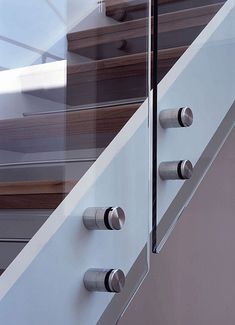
[176, 118]
[107, 218]
[104, 280]
[171, 170]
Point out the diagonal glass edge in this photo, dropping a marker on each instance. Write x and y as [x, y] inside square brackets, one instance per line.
[120, 302]
[162, 231]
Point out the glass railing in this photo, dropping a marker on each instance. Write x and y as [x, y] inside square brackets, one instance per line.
[72, 75]
[196, 76]
[76, 115]
[33, 53]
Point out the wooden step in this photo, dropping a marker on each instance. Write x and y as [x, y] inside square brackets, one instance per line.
[110, 41]
[130, 37]
[124, 10]
[188, 18]
[81, 129]
[108, 69]
[119, 78]
[128, 9]
[33, 194]
[35, 187]
[168, 57]
[116, 78]
[108, 34]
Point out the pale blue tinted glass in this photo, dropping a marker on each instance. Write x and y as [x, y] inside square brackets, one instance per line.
[202, 79]
[74, 134]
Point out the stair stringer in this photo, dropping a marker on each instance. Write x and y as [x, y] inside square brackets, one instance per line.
[44, 284]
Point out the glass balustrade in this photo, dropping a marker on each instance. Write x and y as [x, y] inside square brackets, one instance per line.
[74, 87]
[108, 110]
[195, 71]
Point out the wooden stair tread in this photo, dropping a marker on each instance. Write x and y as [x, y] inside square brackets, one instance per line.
[108, 34]
[112, 6]
[171, 53]
[168, 22]
[187, 18]
[122, 4]
[168, 57]
[118, 77]
[31, 201]
[107, 80]
[33, 194]
[35, 187]
[120, 62]
[98, 68]
[121, 65]
[31, 133]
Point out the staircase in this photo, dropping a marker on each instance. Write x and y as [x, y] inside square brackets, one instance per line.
[105, 93]
[102, 93]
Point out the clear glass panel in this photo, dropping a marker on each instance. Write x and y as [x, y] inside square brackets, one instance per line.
[72, 74]
[195, 69]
